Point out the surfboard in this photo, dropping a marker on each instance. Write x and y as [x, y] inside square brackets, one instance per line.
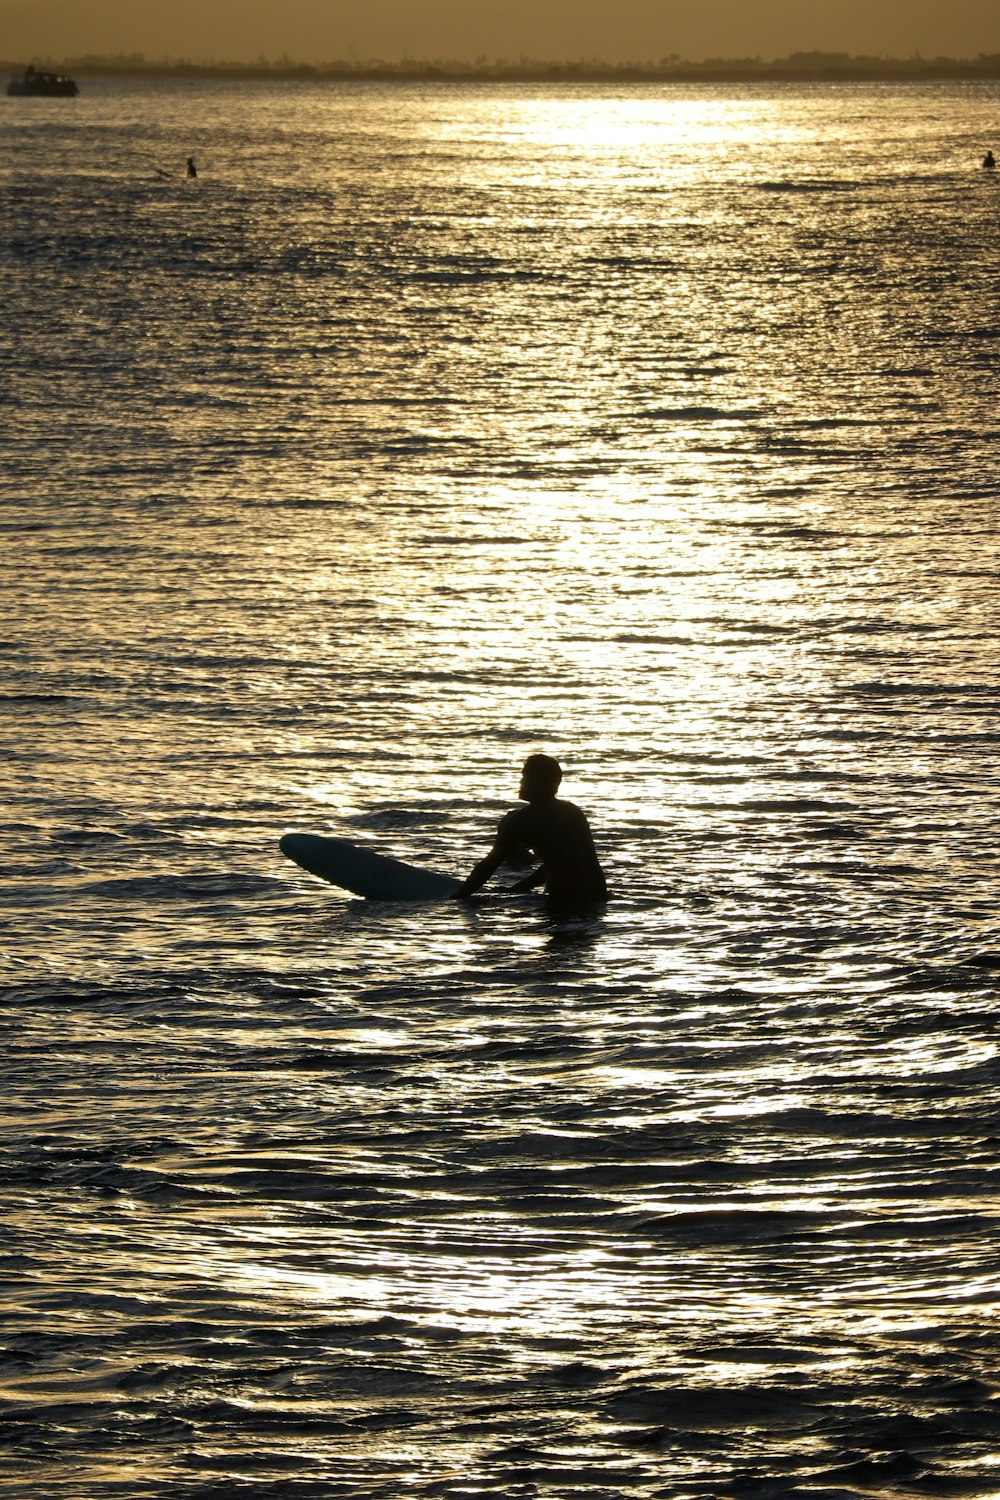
[375, 876]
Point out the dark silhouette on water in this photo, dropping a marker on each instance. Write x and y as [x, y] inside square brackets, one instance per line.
[33, 84]
[989, 161]
[192, 170]
[557, 832]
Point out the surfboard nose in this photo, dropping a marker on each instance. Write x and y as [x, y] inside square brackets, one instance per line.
[294, 845]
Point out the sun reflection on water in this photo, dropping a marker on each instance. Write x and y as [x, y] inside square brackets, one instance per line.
[443, 425]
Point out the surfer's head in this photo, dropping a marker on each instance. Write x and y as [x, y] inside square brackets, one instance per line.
[540, 777]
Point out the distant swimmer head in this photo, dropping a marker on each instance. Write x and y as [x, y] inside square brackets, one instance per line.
[540, 777]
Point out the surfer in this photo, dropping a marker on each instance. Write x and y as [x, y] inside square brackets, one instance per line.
[557, 832]
[192, 170]
[989, 161]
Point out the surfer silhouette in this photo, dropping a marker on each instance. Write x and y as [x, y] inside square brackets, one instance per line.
[192, 170]
[556, 831]
[989, 161]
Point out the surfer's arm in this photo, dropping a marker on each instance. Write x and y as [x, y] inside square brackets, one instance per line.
[479, 876]
[529, 882]
[508, 848]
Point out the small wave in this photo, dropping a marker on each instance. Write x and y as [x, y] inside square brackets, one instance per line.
[795, 805]
[36, 698]
[809, 185]
[697, 414]
[634, 638]
[873, 688]
[176, 887]
[712, 1407]
[86, 836]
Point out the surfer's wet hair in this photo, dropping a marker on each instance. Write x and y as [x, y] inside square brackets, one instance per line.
[543, 771]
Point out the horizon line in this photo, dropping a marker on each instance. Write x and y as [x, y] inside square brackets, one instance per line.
[812, 63]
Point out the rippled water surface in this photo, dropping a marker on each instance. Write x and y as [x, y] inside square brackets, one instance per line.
[430, 427]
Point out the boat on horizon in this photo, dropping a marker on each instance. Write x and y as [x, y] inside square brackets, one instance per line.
[33, 83]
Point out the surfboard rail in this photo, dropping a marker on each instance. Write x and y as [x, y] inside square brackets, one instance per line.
[364, 872]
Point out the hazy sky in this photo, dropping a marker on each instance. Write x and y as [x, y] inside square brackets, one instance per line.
[614, 30]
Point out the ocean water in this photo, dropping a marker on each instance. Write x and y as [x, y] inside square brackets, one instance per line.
[429, 427]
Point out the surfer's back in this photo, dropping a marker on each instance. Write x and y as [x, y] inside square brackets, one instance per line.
[559, 834]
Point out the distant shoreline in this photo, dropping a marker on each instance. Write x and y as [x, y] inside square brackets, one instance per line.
[798, 68]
